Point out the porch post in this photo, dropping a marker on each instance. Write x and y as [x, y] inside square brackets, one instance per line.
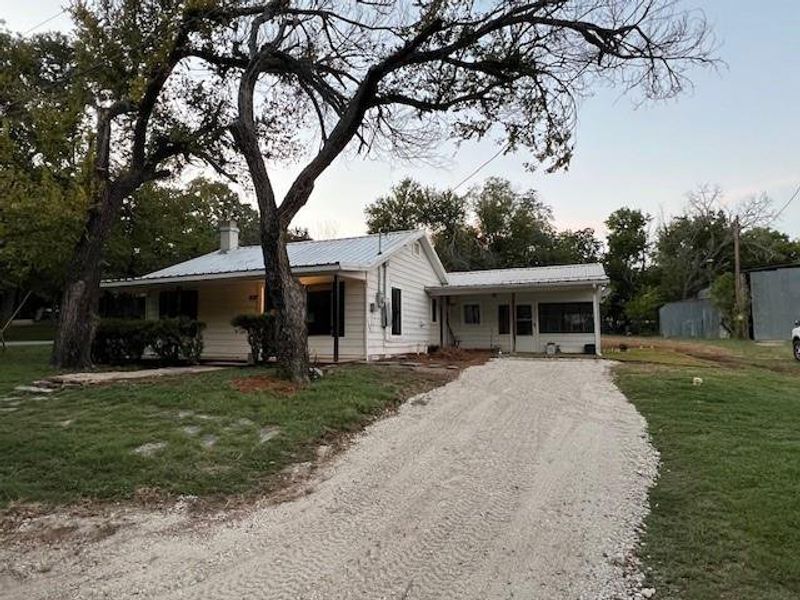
[513, 322]
[446, 309]
[440, 316]
[336, 318]
[597, 324]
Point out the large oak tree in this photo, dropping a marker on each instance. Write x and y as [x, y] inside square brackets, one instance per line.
[148, 114]
[400, 76]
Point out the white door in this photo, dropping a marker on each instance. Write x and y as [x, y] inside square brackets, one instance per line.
[525, 327]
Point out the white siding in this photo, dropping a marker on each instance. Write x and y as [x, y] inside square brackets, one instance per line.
[411, 272]
[351, 345]
[486, 334]
[217, 304]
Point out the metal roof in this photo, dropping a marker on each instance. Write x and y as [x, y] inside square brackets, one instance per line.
[592, 273]
[345, 254]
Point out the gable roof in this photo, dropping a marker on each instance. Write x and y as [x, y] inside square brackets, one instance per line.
[343, 254]
[558, 275]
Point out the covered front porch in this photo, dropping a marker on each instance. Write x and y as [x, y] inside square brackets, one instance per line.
[336, 311]
[519, 319]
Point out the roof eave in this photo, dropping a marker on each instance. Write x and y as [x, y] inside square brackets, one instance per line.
[444, 290]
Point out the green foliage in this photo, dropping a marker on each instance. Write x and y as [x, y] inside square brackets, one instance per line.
[626, 265]
[177, 340]
[764, 247]
[162, 225]
[174, 341]
[642, 311]
[121, 341]
[492, 226]
[43, 182]
[260, 330]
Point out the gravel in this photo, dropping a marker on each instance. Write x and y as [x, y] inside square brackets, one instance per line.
[521, 479]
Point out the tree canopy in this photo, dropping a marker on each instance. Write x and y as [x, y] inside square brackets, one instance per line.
[491, 226]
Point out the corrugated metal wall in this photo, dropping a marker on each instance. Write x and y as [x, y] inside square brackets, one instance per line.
[776, 303]
[690, 319]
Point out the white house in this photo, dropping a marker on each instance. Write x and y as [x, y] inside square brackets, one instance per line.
[395, 297]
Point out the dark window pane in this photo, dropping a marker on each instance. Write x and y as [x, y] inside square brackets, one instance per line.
[319, 310]
[503, 319]
[177, 303]
[434, 310]
[524, 320]
[122, 306]
[472, 314]
[397, 312]
[569, 317]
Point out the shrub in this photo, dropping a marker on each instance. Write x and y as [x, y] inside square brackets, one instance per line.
[119, 341]
[260, 330]
[177, 340]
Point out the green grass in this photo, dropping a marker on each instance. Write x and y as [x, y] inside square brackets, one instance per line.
[725, 520]
[22, 365]
[29, 333]
[77, 444]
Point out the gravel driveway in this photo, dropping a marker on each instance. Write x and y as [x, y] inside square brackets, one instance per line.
[521, 479]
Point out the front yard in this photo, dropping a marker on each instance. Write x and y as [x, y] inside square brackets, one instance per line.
[725, 519]
[212, 435]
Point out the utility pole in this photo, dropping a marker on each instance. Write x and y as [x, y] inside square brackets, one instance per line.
[737, 280]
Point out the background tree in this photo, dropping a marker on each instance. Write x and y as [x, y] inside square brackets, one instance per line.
[626, 262]
[42, 135]
[163, 225]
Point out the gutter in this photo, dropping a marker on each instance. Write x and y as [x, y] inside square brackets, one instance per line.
[490, 287]
[201, 277]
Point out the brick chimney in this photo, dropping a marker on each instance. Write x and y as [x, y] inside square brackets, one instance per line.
[228, 236]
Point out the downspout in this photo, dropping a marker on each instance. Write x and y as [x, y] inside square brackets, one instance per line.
[336, 322]
[513, 322]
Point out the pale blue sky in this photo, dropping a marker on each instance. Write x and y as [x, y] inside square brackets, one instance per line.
[739, 128]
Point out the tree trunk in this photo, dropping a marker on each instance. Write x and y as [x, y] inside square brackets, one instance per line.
[287, 298]
[77, 318]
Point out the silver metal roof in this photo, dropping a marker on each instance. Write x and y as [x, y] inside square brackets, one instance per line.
[345, 254]
[592, 273]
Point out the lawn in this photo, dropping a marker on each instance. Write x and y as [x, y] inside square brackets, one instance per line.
[28, 333]
[81, 443]
[725, 520]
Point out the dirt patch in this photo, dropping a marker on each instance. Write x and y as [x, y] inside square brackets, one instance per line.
[265, 383]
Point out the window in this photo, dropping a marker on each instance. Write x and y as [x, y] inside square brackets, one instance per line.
[524, 321]
[397, 311]
[416, 249]
[177, 303]
[434, 310]
[503, 319]
[571, 317]
[122, 306]
[472, 314]
[319, 310]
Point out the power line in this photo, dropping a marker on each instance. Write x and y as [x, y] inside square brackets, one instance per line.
[45, 22]
[480, 167]
[785, 206]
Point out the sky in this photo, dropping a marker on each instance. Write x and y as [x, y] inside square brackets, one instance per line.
[739, 128]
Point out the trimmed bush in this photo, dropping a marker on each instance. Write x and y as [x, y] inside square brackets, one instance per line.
[177, 340]
[260, 330]
[120, 341]
[174, 341]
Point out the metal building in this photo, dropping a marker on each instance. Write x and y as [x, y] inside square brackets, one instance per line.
[775, 294]
[694, 318]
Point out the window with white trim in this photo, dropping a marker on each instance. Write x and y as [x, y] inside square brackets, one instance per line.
[472, 314]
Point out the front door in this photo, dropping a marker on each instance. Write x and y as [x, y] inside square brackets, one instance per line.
[524, 327]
